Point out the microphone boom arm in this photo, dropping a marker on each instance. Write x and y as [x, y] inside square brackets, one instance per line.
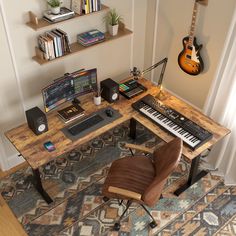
[164, 62]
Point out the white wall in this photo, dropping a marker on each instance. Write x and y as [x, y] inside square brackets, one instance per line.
[174, 19]
[20, 75]
[10, 100]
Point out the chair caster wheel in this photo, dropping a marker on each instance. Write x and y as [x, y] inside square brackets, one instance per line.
[153, 224]
[105, 199]
[116, 227]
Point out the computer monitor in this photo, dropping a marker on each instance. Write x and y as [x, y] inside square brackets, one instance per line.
[69, 87]
[84, 81]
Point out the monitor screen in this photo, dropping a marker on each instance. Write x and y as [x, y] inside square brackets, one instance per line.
[68, 87]
[84, 81]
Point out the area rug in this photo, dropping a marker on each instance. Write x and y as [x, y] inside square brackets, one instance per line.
[75, 181]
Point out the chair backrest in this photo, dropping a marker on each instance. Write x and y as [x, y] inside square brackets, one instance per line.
[166, 159]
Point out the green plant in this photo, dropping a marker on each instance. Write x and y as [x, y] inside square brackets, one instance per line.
[113, 18]
[54, 3]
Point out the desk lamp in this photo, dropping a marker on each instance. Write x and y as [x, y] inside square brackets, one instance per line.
[136, 74]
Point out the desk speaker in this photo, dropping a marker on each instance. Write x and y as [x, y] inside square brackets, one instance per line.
[110, 90]
[37, 120]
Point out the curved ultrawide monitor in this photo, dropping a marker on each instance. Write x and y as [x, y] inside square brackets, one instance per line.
[68, 87]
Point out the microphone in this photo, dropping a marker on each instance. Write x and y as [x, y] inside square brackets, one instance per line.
[136, 73]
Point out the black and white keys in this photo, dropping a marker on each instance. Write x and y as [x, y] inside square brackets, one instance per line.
[166, 123]
[191, 133]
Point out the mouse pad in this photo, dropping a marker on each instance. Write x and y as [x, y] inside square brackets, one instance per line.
[106, 120]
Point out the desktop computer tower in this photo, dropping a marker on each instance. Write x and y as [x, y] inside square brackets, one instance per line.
[110, 90]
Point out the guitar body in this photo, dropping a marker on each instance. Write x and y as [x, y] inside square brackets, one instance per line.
[189, 59]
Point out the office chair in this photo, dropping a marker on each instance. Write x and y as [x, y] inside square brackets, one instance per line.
[141, 179]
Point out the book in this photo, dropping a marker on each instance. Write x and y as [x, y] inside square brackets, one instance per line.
[43, 46]
[65, 13]
[62, 37]
[90, 37]
[70, 113]
[55, 43]
[92, 43]
[67, 41]
[59, 42]
[77, 6]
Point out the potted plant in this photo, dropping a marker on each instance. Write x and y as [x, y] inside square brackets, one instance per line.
[55, 6]
[113, 19]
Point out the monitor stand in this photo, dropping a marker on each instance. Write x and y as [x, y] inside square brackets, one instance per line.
[75, 102]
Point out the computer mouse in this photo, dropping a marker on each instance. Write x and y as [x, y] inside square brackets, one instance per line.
[109, 112]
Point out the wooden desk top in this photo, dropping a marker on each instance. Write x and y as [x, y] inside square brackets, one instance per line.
[32, 149]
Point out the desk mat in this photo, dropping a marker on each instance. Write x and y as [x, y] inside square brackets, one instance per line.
[106, 120]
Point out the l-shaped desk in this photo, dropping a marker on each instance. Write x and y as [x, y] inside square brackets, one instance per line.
[32, 150]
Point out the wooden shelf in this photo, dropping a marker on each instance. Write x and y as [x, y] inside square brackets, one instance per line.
[76, 47]
[37, 24]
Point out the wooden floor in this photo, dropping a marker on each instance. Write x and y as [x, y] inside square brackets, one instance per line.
[9, 225]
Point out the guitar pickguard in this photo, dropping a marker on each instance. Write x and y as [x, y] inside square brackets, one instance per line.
[194, 56]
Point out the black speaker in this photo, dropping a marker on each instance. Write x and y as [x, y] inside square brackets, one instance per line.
[37, 120]
[110, 90]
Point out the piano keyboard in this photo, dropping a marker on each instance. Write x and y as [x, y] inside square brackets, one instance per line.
[192, 134]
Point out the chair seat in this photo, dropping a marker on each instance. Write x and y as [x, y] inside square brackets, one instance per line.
[130, 173]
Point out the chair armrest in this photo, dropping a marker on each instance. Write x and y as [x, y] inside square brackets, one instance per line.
[139, 147]
[125, 192]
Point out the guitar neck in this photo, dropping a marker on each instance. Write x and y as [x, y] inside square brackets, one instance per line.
[193, 23]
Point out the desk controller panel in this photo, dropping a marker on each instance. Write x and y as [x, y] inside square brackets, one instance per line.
[192, 134]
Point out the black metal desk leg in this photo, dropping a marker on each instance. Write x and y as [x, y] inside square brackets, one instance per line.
[193, 177]
[38, 185]
[132, 126]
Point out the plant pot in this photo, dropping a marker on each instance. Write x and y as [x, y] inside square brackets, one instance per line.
[55, 10]
[113, 29]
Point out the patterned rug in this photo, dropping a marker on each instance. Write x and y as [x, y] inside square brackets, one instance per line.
[75, 181]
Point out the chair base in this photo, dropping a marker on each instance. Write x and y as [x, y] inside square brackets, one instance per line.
[116, 227]
[153, 224]
[105, 199]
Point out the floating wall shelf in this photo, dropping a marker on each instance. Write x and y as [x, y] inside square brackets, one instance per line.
[38, 24]
[76, 47]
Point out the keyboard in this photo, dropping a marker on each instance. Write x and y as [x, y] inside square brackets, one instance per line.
[172, 121]
[85, 124]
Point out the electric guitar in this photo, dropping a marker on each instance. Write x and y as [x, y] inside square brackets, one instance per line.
[189, 59]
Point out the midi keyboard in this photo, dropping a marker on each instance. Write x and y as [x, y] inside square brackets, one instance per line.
[192, 134]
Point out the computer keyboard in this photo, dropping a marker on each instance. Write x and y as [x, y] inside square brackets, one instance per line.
[85, 124]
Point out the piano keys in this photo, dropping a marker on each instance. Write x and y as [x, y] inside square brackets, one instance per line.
[192, 134]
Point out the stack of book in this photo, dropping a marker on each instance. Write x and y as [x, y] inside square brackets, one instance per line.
[64, 14]
[53, 44]
[90, 37]
[71, 113]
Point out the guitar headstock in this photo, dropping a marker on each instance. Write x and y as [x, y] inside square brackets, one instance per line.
[202, 2]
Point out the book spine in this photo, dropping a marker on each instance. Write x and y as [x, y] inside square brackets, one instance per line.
[42, 47]
[99, 5]
[67, 41]
[62, 38]
[87, 7]
[53, 37]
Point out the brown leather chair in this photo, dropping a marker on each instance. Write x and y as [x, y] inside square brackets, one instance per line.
[140, 178]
